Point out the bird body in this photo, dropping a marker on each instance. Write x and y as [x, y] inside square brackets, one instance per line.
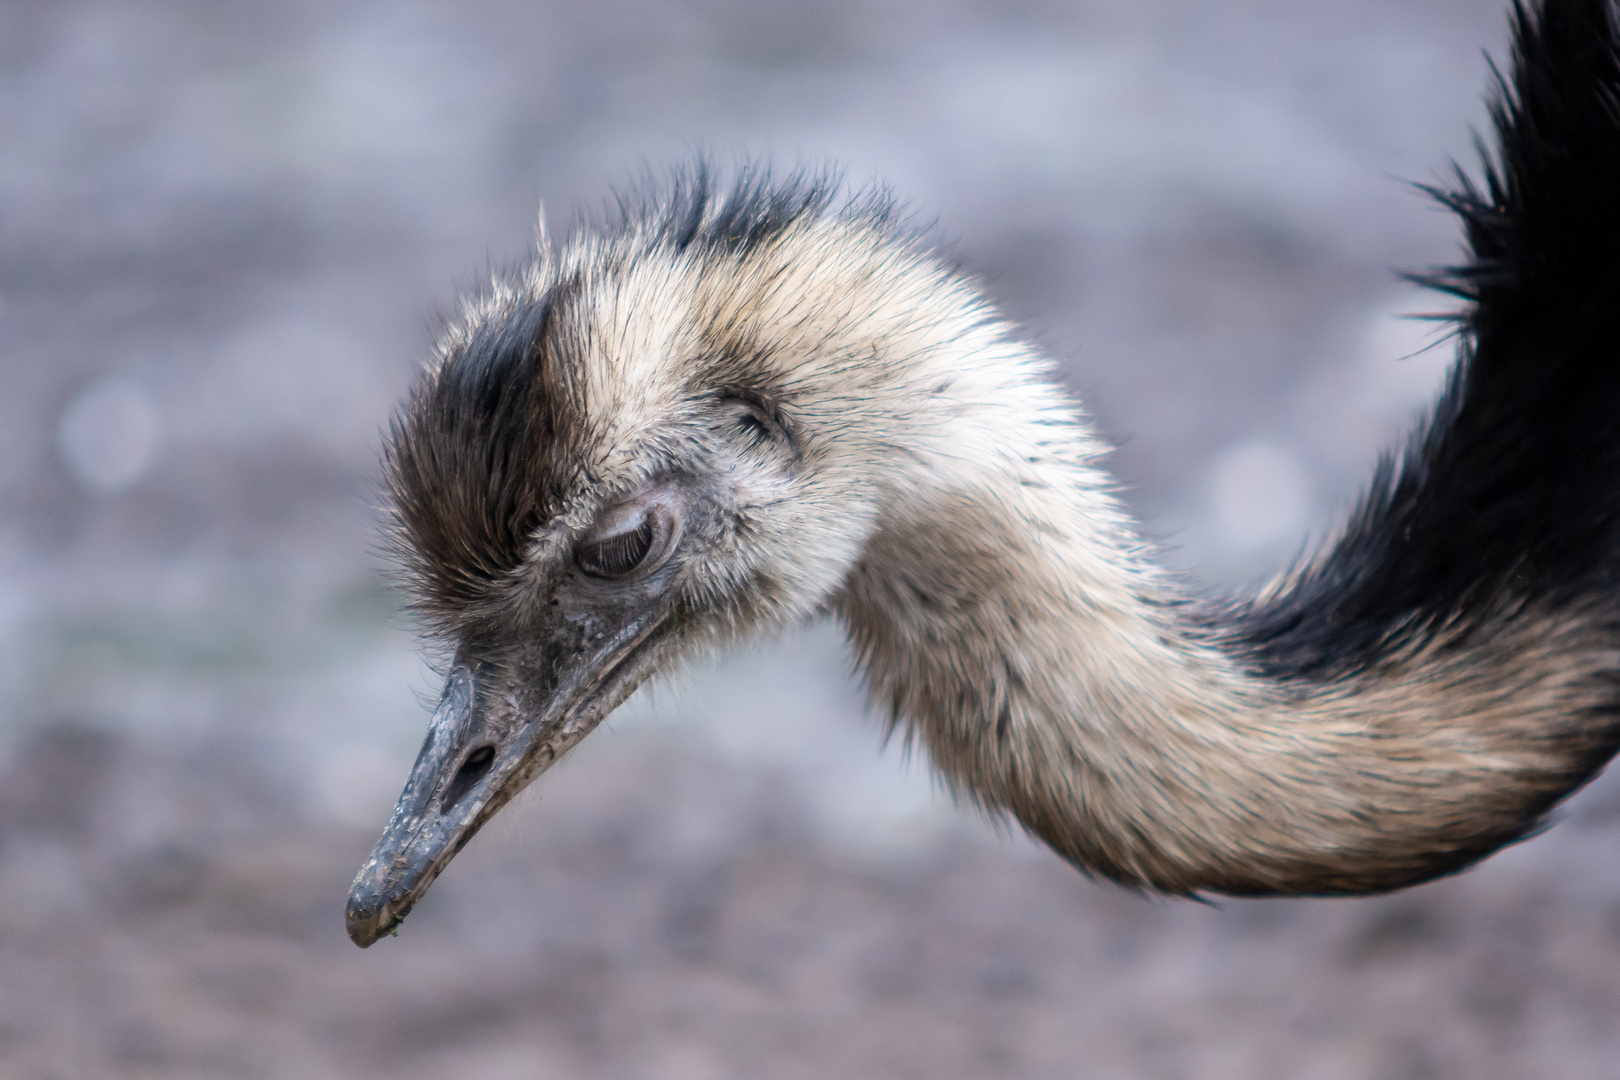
[737, 408]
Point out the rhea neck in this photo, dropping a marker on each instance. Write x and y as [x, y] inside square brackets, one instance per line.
[1005, 619]
[1006, 616]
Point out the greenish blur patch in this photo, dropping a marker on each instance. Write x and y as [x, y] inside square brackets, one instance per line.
[370, 604]
[233, 639]
[198, 647]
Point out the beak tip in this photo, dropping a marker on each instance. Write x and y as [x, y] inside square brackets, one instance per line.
[370, 914]
[362, 922]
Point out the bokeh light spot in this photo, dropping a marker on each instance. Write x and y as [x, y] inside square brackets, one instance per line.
[108, 435]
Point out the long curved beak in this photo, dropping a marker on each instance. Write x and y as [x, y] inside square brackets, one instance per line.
[481, 750]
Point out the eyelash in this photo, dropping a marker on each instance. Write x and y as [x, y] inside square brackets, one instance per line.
[617, 555]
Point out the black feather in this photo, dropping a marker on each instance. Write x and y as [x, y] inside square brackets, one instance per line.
[1511, 492]
[460, 462]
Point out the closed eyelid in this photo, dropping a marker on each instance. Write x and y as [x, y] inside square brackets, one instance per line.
[625, 517]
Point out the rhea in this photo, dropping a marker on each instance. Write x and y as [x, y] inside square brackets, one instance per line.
[741, 406]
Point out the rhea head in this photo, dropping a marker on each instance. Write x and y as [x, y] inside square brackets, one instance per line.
[663, 438]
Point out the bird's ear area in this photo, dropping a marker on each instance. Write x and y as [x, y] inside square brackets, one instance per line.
[754, 427]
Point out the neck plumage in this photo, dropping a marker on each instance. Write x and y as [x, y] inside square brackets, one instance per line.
[1420, 694]
[1005, 614]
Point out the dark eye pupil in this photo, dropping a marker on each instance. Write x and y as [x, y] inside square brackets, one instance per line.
[619, 554]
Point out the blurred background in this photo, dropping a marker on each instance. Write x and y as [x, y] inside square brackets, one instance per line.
[225, 230]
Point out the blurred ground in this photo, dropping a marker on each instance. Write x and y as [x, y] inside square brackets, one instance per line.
[225, 229]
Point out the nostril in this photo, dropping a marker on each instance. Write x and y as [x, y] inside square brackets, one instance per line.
[472, 770]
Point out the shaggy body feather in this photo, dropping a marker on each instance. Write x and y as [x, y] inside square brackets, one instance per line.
[868, 438]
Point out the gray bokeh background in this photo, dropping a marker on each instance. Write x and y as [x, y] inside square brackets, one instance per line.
[225, 229]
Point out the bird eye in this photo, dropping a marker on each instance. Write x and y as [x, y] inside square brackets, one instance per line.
[620, 554]
[631, 537]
